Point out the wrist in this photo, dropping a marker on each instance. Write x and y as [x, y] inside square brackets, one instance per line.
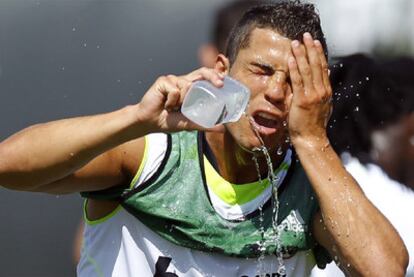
[311, 143]
[137, 125]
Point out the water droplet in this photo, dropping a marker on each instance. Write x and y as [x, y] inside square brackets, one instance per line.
[357, 95]
[62, 68]
[341, 65]
[284, 123]
[356, 109]
[84, 44]
[119, 80]
[360, 82]
[98, 46]
[352, 86]
[348, 265]
[367, 78]
[73, 29]
[279, 151]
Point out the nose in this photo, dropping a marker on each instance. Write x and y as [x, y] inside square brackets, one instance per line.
[276, 91]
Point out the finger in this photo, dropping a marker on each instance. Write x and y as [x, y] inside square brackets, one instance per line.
[184, 86]
[302, 64]
[314, 61]
[215, 77]
[295, 77]
[324, 65]
[171, 90]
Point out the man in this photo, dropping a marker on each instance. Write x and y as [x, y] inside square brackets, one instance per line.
[190, 203]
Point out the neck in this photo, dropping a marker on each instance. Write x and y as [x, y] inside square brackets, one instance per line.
[236, 164]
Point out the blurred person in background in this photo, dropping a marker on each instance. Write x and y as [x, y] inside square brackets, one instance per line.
[372, 127]
[224, 20]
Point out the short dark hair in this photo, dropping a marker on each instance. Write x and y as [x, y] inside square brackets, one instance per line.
[289, 18]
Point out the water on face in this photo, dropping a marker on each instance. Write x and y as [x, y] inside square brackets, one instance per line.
[275, 207]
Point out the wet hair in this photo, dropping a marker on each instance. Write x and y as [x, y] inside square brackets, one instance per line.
[368, 95]
[227, 17]
[288, 18]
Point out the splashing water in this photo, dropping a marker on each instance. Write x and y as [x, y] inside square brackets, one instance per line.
[275, 204]
[261, 243]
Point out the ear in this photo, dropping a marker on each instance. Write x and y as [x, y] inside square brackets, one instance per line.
[222, 64]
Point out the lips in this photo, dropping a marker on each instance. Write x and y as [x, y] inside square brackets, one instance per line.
[266, 123]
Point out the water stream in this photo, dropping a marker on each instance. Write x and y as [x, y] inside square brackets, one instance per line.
[273, 179]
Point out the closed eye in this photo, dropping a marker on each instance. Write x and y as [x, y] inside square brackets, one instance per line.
[263, 69]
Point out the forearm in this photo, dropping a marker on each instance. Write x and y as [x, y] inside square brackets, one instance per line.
[47, 152]
[361, 234]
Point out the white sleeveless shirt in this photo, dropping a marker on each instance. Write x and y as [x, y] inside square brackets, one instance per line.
[120, 245]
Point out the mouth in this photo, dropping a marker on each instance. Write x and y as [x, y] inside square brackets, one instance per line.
[265, 123]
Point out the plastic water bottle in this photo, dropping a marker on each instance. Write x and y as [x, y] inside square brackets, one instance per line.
[208, 105]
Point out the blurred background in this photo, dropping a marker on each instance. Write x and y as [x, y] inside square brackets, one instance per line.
[65, 58]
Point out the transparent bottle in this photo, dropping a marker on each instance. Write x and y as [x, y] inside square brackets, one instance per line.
[208, 105]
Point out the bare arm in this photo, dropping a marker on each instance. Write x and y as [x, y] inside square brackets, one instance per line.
[89, 153]
[349, 226]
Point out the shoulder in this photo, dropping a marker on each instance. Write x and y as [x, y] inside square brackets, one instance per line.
[134, 154]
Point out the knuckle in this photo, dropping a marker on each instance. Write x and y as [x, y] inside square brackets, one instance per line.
[161, 79]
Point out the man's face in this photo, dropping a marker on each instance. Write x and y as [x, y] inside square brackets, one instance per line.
[263, 68]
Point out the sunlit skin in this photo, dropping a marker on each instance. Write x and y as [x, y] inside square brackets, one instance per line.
[263, 68]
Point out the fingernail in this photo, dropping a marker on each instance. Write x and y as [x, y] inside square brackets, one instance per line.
[295, 43]
[307, 35]
[317, 42]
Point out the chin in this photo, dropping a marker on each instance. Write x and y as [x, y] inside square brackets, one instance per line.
[249, 141]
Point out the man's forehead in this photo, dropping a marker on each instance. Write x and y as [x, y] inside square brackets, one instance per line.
[267, 35]
[268, 47]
